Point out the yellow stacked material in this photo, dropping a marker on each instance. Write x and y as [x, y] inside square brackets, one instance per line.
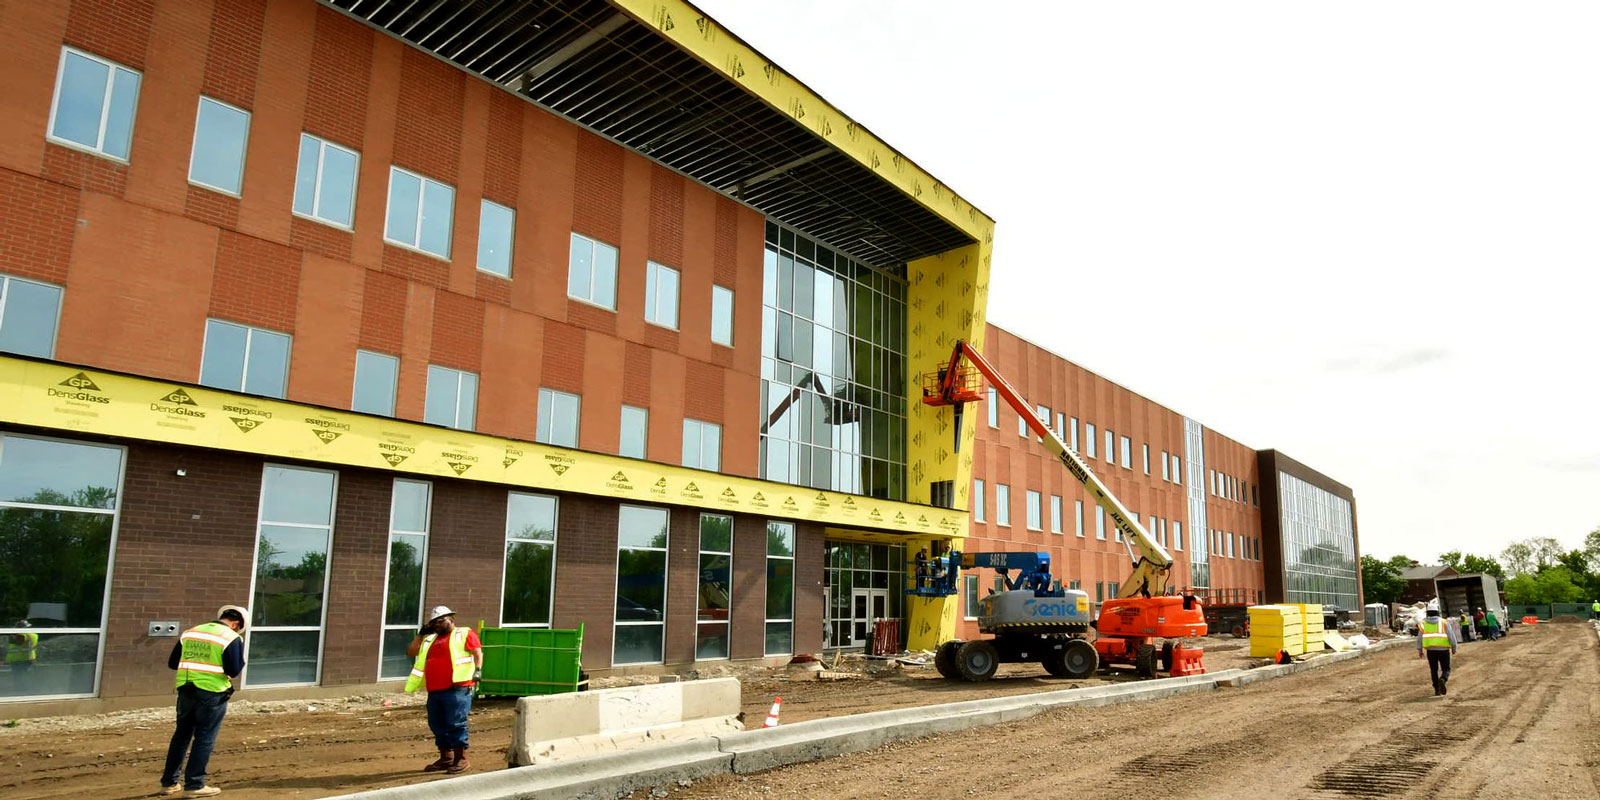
[1274, 628]
[1312, 614]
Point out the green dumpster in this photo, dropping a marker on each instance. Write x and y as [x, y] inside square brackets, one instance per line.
[518, 662]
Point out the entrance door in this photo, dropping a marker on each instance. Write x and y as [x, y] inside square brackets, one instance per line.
[867, 606]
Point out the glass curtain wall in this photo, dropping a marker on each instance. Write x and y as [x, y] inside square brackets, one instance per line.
[1194, 442]
[833, 369]
[1319, 545]
[58, 511]
[855, 565]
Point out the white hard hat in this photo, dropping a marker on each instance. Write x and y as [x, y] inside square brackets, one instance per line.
[244, 614]
[1433, 605]
[440, 611]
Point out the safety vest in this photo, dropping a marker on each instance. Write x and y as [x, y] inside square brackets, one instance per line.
[1435, 634]
[200, 659]
[462, 663]
[1597, 607]
[25, 653]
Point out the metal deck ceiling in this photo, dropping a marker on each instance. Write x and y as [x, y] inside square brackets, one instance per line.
[589, 62]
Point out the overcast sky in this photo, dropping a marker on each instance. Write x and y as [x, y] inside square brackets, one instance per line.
[1365, 234]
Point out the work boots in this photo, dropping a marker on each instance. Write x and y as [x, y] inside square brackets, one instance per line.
[460, 764]
[446, 758]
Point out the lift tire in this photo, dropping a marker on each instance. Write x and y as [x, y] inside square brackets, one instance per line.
[1144, 663]
[977, 661]
[1238, 632]
[1166, 657]
[1078, 660]
[944, 659]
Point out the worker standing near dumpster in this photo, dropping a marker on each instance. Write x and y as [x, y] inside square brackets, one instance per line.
[205, 659]
[1437, 641]
[449, 662]
[1493, 623]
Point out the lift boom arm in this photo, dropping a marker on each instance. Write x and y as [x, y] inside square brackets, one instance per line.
[1153, 562]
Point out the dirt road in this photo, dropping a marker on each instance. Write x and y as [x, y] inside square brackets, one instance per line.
[1522, 720]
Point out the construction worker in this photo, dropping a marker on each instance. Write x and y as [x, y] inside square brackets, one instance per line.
[922, 568]
[1436, 640]
[1480, 621]
[22, 650]
[449, 663]
[1465, 624]
[205, 659]
[1594, 610]
[1493, 624]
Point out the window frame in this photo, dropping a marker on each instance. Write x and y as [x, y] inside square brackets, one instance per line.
[505, 557]
[978, 501]
[316, 183]
[105, 106]
[1089, 433]
[327, 573]
[701, 553]
[422, 206]
[1077, 510]
[511, 239]
[993, 408]
[701, 427]
[616, 585]
[594, 246]
[244, 146]
[1033, 503]
[1002, 509]
[427, 539]
[456, 417]
[793, 559]
[729, 293]
[653, 271]
[969, 597]
[355, 382]
[1055, 513]
[544, 423]
[6, 279]
[622, 429]
[244, 375]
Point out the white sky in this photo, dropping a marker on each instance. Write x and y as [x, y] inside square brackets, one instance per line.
[1365, 234]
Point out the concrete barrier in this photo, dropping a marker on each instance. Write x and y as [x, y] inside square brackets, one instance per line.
[566, 726]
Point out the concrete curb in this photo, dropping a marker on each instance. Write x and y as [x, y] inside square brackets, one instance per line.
[610, 776]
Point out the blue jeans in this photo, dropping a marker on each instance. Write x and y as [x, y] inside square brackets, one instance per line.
[447, 716]
[199, 718]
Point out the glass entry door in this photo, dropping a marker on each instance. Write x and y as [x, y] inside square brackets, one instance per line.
[867, 606]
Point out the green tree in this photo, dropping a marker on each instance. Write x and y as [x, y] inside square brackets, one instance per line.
[1591, 548]
[1556, 585]
[1471, 563]
[1523, 590]
[1381, 579]
[1451, 559]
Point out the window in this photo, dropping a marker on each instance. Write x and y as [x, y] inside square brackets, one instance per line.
[94, 104]
[661, 295]
[1111, 447]
[1100, 523]
[1211, 478]
[1055, 514]
[1077, 513]
[496, 228]
[702, 445]
[1150, 526]
[1044, 417]
[635, 434]
[452, 399]
[1022, 426]
[1127, 452]
[1002, 504]
[641, 585]
[421, 212]
[1035, 511]
[1229, 540]
[1177, 470]
[293, 536]
[528, 580]
[977, 500]
[558, 418]
[1111, 588]
[220, 133]
[1099, 592]
[376, 374]
[722, 316]
[1255, 497]
[1177, 535]
[1074, 585]
[240, 358]
[325, 181]
[402, 599]
[1061, 426]
[28, 314]
[592, 272]
[1088, 434]
[1161, 531]
[1116, 532]
[1146, 447]
[780, 589]
[969, 594]
[994, 409]
[58, 507]
[716, 587]
[1166, 473]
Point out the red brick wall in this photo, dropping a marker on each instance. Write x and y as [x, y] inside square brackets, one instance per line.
[233, 53]
[257, 282]
[41, 219]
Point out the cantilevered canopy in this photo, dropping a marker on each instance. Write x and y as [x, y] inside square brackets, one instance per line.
[607, 67]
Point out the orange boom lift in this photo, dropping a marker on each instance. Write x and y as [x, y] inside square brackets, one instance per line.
[1144, 611]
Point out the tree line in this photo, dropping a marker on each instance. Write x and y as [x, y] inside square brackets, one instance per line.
[1534, 571]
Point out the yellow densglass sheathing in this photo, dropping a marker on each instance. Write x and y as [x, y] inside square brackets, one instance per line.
[947, 299]
[699, 35]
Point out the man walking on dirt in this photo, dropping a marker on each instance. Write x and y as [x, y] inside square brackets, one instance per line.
[449, 662]
[206, 659]
[1436, 641]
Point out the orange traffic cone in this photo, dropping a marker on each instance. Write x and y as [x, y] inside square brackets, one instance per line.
[772, 716]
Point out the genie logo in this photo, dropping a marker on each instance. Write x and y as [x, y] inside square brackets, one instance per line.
[1049, 610]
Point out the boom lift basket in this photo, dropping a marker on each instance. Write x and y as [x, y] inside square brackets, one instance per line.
[966, 388]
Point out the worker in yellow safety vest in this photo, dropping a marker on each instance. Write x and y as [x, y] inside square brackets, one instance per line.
[22, 648]
[449, 662]
[204, 662]
[1594, 611]
[1436, 640]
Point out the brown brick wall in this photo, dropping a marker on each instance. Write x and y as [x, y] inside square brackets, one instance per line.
[257, 282]
[341, 66]
[597, 207]
[357, 565]
[213, 208]
[233, 53]
[427, 135]
[458, 332]
[115, 29]
[586, 577]
[41, 219]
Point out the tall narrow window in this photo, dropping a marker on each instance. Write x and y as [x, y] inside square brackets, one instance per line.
[702, 445]
[220, 134]
[530, 563]
[1127, 452]
[241, 358]
[1177, 535]
[780, 589]
[635, 433]
[592, 272]
[1061, 426]
[325, 181]
[641, 585]
[408, 551]
[1077, 517]
[977, 500]
[1043, 412]
[452, 399]
[1035, 501]
[1166, 473]
[1002, 504]
[558, 420]
[722, 316]
[1111, 447]
[1146, 447]
[994, 409]
[661, 295]
[1055, 514]
[1099, 522]
[716, 587]
[28, 314]
[421, 212]
[58, 507]
[969, 596]
[1072, 430]
[1088, 435]
[497, 226]
[1022, 425]
[293, 537]
[94, 104]
[376, 374]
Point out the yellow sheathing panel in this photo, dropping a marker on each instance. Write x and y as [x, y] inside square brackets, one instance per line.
[947, 299]
[694, 32]
[71, 399]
